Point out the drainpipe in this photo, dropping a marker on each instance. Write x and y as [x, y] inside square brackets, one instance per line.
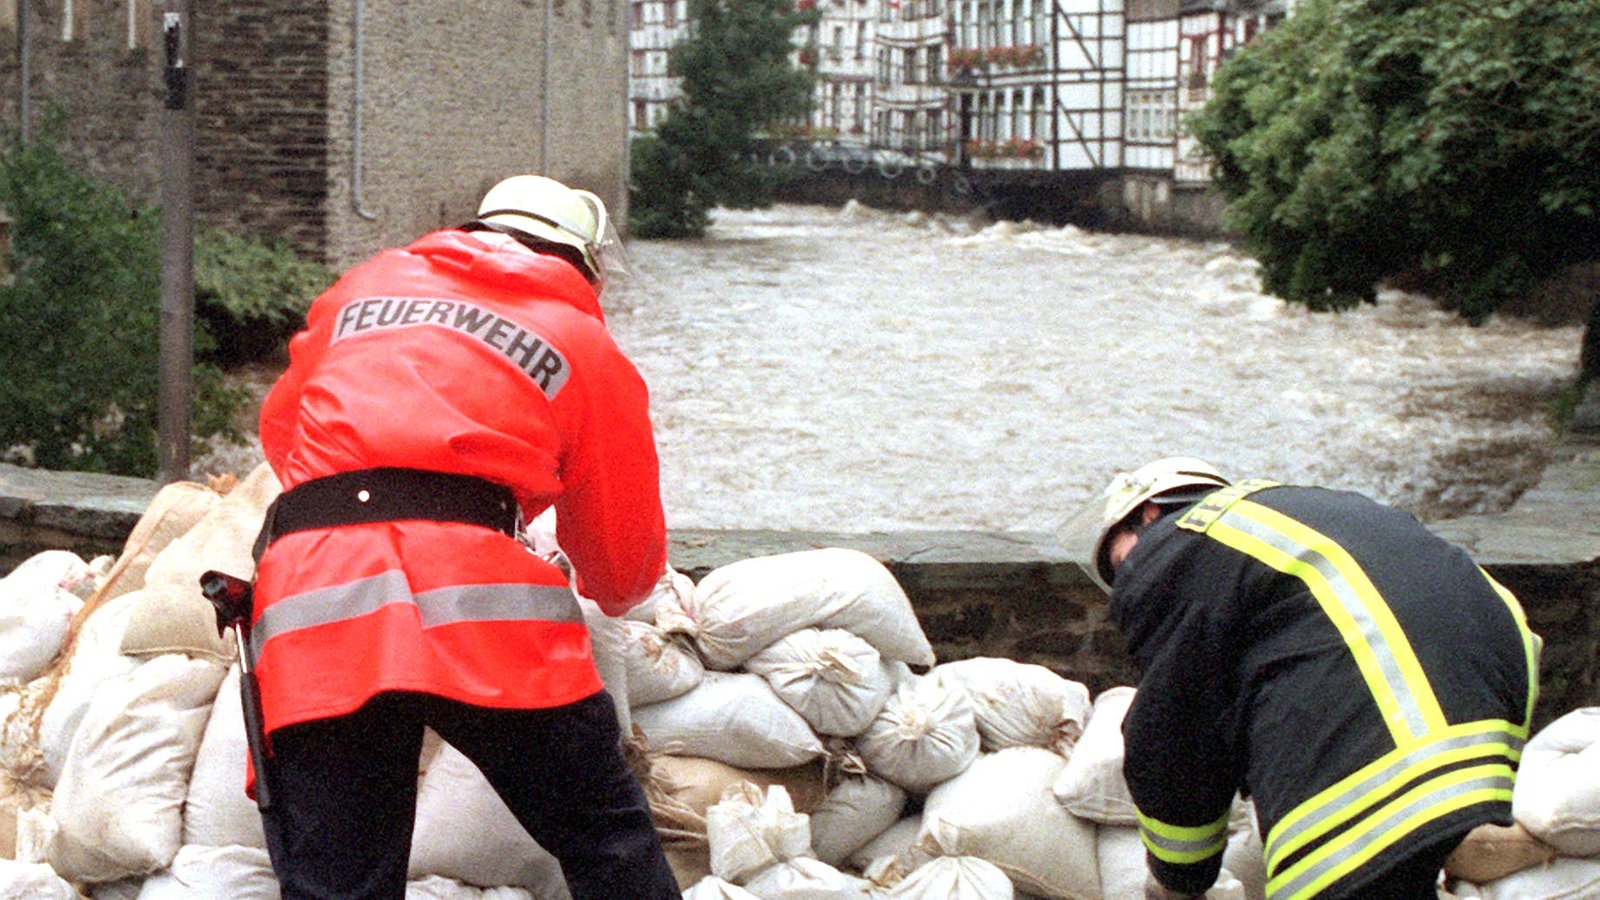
[544, 101]
[355, 129]
[24, 66]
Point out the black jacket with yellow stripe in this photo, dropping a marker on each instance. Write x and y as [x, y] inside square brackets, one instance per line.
[1363, 681]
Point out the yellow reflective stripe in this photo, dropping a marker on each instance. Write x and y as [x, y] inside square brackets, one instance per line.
[1367, 625]
[1355, 793]
[1390, 824]
[1532, 644]
[1183, 844]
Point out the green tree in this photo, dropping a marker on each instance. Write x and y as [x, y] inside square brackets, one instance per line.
[1449, 141]
[738, 79]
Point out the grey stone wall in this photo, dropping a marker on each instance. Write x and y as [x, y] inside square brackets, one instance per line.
[1013, 595]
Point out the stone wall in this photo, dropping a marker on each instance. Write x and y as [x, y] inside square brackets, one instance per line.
[1017, 596]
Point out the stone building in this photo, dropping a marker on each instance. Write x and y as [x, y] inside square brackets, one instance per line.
[343, 126]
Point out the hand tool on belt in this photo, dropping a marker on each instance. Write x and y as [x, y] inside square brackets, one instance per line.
[233, 599]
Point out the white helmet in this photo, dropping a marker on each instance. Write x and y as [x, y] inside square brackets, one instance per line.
[1091, 528]
[548, 210]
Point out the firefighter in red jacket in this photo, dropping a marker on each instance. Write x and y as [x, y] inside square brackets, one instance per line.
[1305, 647]
[440, 396]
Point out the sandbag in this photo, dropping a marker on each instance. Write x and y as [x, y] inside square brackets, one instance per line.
[857, 809]
[465, 832]
[953, 878]
[1557, 794]
[1492, 852]
[33, 881]
[174, 617]
[217, 812]
[118, 807]
[806, 878]
[660, 665]
[1091, 785]
[608, 643]
[1563, 878]
[740, 608]
[237, 873]
[713, 888]
[16, 797]
[36, 610]
[836, 680]
[926, 734]
[94, 659]
[1001, 809]
[733, 717]
[1019, 704]
[437, 888]
[751, 830]
[895, 842]
[666, 601]
[176, 508]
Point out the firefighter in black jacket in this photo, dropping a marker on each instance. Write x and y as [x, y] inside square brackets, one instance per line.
[1365, 683]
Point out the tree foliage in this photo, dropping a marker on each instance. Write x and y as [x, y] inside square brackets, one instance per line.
[1452, 141]
[738, 78]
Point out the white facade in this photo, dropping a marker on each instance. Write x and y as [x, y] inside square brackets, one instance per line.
[654, 26]
[912, 113]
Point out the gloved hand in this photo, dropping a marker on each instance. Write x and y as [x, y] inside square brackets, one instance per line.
[1155, 890]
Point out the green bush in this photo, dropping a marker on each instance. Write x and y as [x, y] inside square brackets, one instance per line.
[251, 295]
[80, 314]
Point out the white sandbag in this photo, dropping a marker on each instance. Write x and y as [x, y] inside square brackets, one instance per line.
[1245, 858]
[713, 888]
[751, 830]
[925, 734]
[1091, 785]
[1123, 868]
[437, 888]
[36, 610]
[896, 841]
[1020, 704]
[33, 881]
[217, 812]
[608, 643]
[732, 717]
[1491, 852]
[858, 809]
[96, 658]
[1001, 809]
[836, 680]
[465, 832]
[174, 617]
[174, 509]
[661, 665]
[954, 878]
[119, 803]
[1557, 794]
[237, 873]
[1563, 878]
[121, 889]
[805, 878]
[666, 601]
[740, 608]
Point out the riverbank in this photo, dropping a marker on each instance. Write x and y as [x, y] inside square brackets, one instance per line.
[1008, 594]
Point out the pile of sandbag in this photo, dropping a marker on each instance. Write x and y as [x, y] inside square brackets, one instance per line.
[794, 733]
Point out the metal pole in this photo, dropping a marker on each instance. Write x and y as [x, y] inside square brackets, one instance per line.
[177, 248]
[25, 71]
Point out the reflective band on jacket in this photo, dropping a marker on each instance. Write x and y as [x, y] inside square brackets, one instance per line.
[1183, 844]
[443, 606]
[1350, 601]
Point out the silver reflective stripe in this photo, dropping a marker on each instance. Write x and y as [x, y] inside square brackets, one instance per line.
[1179, 851]
[1343, 802]
[1349, 600]
[443, 606]
[1377, 835]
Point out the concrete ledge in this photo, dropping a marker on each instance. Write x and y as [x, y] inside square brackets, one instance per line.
[1013, 595]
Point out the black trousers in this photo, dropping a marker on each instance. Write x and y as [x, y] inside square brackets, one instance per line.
[345, 795]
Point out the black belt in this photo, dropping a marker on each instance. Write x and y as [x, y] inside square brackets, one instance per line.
[389, 495]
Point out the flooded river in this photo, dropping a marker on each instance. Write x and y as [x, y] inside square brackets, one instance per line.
[854, 370]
